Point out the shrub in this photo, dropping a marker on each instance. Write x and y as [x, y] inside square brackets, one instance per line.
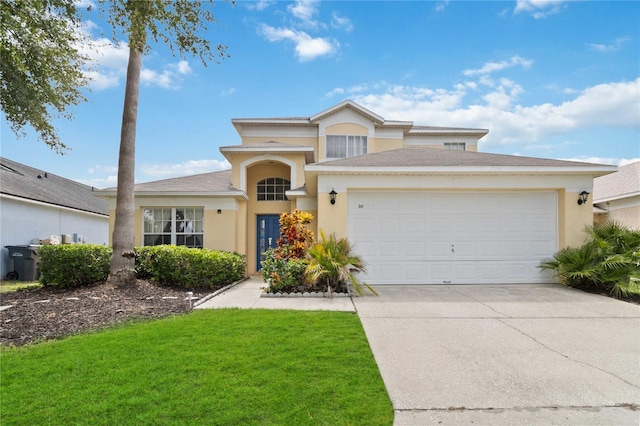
[332, 264]
[609, 260]
[295, 237]
[282, 274]
[189, 267]
[72, 265]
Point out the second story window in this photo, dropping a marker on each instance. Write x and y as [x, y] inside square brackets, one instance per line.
[273, 189]
[455, 146]
[346, 146]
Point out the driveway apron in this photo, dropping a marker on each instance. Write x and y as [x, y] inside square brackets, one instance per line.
[508, 354]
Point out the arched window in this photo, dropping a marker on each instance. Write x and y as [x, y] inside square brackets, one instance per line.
[272, 189]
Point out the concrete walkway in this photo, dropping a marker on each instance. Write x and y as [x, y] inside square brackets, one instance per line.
[491, 355]
[246, 295]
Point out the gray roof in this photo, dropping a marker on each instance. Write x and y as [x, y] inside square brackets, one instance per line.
[207, 183]
[26, 182]
[624, 182]
[433, 157]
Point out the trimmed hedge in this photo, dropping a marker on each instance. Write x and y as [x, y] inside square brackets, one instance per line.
[189, 267]
[75, 265]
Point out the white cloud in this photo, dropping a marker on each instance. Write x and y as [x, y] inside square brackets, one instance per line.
[102, 169]
[305, 10]
[442, 5]
[183, 68]
[258, 5]
[306, 47]
[539, 8]
[193, 167]
[228, 92]
[611, 47]
[491, 67]
[342, 22]
[615, 105]
[109, 64]
[101, 183]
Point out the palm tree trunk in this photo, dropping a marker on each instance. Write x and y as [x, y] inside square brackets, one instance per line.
[122, 270]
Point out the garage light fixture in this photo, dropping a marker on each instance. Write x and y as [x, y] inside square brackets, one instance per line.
[332, 196]
[584, 195]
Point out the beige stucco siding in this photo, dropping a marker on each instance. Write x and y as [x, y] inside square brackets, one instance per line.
[574, 218]
[220, 230]
[242, 163]
[624, 211]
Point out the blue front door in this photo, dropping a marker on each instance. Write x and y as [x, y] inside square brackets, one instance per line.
[268, 234]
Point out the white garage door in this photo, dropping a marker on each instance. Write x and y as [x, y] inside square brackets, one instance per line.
[453, 237]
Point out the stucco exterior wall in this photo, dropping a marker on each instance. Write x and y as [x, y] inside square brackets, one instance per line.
[241, 163]
[24, 221]
[221, 231]
[574, 219]
[626, 212]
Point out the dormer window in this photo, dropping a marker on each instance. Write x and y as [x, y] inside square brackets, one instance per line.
[455, 146]
[343, 146]
[273, 189]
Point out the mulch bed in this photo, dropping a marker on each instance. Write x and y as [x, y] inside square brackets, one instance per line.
[48, 313]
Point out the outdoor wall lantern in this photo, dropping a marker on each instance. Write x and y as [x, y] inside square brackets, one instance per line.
[583, 197]
[332, 196]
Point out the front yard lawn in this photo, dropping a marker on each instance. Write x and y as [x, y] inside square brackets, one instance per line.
[221, 367]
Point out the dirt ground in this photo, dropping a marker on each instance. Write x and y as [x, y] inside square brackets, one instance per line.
[48, 313]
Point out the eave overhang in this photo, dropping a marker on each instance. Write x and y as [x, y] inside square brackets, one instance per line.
[616, 197]
[278, 148]
[213, 194]
[594, 171]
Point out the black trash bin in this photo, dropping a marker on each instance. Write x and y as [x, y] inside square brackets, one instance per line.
[25, 262]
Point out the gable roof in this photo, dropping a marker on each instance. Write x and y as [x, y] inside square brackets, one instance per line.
[210, 184]
[19, 180]
[352, 106]
[407, 126]
[621, 184]
[433, 160]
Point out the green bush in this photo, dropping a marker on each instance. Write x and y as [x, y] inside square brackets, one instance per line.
[189, 267]
[73, 265]
[609, 260]
[333, 264]
[282, 274]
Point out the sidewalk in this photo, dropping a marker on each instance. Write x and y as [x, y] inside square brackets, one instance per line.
[246, 295]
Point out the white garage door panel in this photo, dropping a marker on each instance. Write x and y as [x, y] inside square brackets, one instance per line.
[461, 237]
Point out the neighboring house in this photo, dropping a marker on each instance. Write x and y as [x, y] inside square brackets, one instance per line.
[34, 205]
[617, 196]
[419, 203]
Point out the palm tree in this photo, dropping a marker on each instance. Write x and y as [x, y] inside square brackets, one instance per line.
[176, 23]
[333, 264]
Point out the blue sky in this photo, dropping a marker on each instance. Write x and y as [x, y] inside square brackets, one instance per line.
[551, 79]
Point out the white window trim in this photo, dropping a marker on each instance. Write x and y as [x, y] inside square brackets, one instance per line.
[284, 193]
[326, 146]
[455, 146]
[174, 225]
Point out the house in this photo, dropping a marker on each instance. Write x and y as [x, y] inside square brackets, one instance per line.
[419, 203]
[35, 204]
[617, 196]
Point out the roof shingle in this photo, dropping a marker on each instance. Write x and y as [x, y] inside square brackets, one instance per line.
[29, 183]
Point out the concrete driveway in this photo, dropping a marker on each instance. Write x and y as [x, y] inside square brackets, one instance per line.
[505, 355]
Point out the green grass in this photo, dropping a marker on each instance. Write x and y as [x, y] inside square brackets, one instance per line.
[215, 367]
[11, 286]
